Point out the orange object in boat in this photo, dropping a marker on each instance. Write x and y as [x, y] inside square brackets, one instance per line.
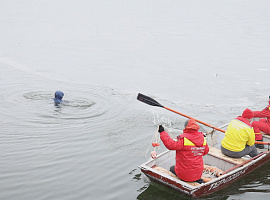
[214, 170]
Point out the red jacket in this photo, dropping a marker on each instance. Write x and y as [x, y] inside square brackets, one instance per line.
[263, 124]
[190, 149]
[263, 113]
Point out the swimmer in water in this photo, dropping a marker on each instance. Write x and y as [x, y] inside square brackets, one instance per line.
[58, 97]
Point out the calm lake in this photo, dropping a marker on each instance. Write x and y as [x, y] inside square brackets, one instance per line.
[207, 59]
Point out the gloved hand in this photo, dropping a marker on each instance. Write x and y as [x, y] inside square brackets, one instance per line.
[160, 129]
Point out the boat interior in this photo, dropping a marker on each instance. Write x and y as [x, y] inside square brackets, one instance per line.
[215, 162]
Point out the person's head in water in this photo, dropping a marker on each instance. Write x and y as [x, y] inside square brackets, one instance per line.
[58, 96]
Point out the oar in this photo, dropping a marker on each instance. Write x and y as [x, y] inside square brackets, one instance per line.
[153, 102]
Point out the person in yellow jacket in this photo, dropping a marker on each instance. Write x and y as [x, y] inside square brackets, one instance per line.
[240, 137]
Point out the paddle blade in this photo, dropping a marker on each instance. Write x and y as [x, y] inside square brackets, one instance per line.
[148, 100]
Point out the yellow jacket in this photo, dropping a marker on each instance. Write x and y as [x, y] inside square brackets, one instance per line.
[238, 135]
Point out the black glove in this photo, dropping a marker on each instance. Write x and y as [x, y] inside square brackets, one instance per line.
[160, 129]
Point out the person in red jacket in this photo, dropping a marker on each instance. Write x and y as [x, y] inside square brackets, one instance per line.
[263, 124]
[190, 148]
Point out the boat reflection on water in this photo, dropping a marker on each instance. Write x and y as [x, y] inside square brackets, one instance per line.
[157, 191]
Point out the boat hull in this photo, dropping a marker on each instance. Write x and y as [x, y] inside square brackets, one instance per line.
[233, 174]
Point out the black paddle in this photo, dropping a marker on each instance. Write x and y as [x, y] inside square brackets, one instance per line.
[148, 100]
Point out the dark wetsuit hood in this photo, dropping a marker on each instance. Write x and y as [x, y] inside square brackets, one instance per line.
[58, 96]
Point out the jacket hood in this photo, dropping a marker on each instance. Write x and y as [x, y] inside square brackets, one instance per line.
[192, 125]
[247, 113]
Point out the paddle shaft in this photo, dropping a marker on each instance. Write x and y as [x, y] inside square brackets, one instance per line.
[195, 119]
[218, 129]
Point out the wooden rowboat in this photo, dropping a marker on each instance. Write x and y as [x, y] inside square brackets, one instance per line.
[222, 172]
[231, 169]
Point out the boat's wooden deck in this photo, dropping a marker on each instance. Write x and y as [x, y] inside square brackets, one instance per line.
[165, 171]
[217, 152]
[204, 177]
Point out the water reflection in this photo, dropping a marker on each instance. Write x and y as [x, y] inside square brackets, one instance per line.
[58, 106]
[159, 192]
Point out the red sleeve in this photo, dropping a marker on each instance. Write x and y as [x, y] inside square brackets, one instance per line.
[206, 150]
[264, 113]
[170, 143]
[263, 120]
